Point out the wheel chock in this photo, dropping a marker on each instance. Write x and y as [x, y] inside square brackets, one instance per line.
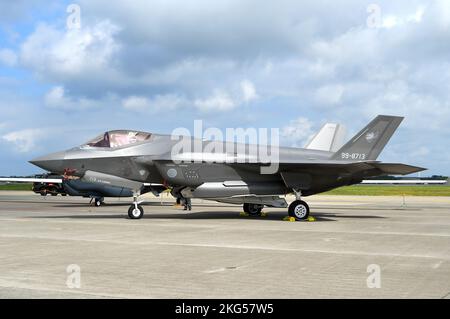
[243, 214]
[292, 219]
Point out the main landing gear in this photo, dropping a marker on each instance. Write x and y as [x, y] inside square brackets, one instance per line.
[298, 208]
[135, 211]
[98, 202]
[253, 209]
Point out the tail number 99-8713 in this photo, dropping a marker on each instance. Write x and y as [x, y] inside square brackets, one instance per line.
[353, 156]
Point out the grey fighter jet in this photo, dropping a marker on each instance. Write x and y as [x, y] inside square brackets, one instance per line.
[227, 172]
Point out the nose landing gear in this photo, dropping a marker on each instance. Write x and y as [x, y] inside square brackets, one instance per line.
[135, 211]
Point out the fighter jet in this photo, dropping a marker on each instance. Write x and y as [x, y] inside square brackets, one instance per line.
[224, 171]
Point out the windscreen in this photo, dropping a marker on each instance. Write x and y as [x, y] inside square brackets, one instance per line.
[114, 139]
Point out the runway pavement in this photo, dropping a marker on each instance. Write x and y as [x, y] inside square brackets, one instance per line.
[212, 252]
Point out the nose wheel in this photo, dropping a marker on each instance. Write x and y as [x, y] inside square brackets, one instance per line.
[135, 211]
[299, 210]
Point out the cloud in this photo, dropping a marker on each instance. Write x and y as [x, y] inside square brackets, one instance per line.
[56, 98]
[297, 132]
[219, 101]
[248, 91]
[73, 54]
[329, 94]
[8, 57]
[166, 102]
[222, 100]
[13, 10]
[421, 152]
[24, 140]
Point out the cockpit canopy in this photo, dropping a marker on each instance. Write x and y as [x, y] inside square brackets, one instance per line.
[114, 139]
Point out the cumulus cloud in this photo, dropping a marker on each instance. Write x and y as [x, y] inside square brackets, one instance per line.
[24, 140]
[329, 94]
[166, 102]
[221, 100]
[56, 98]
[297, 132]
[8, 57]
[248, 91]
[218, 101]
[67, 54]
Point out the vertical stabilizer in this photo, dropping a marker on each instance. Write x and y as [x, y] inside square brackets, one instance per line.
[330, 138]
[370, 141]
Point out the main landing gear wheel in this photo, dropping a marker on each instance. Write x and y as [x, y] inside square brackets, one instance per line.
[299, 210]
[135, 211]
[98, 202]
[253, 209]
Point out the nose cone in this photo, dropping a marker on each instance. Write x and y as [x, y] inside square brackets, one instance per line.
[51, 162]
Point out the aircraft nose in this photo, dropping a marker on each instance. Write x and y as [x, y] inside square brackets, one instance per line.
[51, 162]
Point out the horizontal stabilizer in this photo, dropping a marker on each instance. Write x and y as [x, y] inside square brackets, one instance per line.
[397, 169]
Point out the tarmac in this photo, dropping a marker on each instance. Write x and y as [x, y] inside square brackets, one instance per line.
[357, 247]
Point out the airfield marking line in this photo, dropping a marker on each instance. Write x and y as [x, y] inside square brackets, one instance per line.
[71, 291]
[301, 250]
[100, 223]
[215, 227]
[280, 249]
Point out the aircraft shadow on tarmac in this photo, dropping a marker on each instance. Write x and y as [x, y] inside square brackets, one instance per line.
[217, 215]
[126, 204]
[204, 205]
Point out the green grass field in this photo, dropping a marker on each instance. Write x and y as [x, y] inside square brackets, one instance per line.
[392, 190]
[16, 187]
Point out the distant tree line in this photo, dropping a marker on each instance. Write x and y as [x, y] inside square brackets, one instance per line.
[391, 177]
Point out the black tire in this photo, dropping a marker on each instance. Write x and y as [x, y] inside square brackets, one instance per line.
[299, 210]
[63, 194]
[253, 209]
[43, 193]
[54, 194]
[135, 214]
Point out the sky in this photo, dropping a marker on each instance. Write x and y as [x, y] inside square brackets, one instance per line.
[72, 70]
